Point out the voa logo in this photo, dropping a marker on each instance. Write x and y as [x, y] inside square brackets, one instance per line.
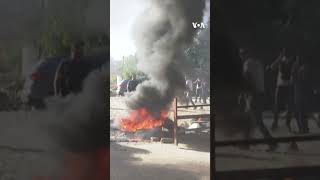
[198, 25]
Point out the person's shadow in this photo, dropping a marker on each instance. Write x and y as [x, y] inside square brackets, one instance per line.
[196, 142]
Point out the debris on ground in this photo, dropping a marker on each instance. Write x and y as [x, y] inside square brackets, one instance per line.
[166, 140]
[155, 139]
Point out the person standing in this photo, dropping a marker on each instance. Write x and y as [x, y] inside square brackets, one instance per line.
[71, 72]
[189, 92]
[301, 90]
[87, 157]
[132, 84]
[198, 89]
[253, 71]
[284, 91]
[205, 91]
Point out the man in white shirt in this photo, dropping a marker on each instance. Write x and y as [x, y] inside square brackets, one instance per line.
[253, 71]
[198, 83]
[189, 91]
[189, 85]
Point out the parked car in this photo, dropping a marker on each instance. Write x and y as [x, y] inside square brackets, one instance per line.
[40, 82]
[122, 86]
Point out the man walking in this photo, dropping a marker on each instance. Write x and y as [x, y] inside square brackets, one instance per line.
[301, 89]
[189, 92]
[284, 91]
[253, 71]
[198, 89]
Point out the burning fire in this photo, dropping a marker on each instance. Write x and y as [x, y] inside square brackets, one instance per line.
[142, 119]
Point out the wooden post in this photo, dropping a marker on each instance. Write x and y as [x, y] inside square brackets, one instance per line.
[175, 121]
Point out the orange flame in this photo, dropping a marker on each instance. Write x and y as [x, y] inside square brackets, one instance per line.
[142, 119]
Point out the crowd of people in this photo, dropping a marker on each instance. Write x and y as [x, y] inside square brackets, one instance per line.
[291, 92]
[197, 89]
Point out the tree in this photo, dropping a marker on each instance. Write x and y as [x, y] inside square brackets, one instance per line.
[65, 21]
[129, 67]
[198, 55]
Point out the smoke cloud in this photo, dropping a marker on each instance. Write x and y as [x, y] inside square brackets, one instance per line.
[161, 35]
[77, 123]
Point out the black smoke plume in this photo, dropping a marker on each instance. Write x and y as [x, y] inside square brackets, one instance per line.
[162, 34]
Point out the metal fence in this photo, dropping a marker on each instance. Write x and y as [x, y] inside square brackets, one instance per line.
[177, 117]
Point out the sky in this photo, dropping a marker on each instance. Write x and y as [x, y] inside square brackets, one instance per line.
[123, 15]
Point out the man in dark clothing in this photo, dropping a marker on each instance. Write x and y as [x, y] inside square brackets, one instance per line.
[205, 92]
[84, 144]
[132, 84]
[86, 157]
[71, 72]
[284, 91]
[301, 90]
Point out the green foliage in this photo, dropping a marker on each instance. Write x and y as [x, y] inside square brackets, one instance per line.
[13, 55]
[113, 79]
[96, 43]
[56, 39]
[129, 67]
[198, 55]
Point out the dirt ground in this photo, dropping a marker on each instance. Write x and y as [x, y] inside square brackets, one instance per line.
[136, 161]
[233, 158]
[152, 161]
[23, 153]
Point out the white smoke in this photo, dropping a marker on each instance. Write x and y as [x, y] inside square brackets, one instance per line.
[76, 123]
[77, 118]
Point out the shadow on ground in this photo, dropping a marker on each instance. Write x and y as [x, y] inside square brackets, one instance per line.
[129, 151]
[244, 156]
[124, 166]
[196, 142]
